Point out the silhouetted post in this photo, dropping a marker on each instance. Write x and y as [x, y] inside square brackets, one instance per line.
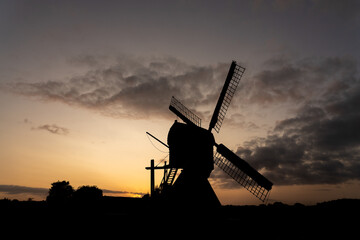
[152, 178]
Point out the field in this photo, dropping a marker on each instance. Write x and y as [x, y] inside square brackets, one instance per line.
[114, 214]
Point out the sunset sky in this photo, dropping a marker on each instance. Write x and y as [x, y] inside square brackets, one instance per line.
[82, 81]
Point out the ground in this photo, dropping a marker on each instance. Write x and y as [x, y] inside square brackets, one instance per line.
[143, 216]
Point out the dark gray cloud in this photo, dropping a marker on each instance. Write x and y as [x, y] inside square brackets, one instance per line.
[130, 87]
[42, 192]
[15, 189]
[321, 143]
[299, 81]
[52, 128]
[347, 9]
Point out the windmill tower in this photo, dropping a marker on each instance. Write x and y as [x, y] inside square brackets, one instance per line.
[192, 150]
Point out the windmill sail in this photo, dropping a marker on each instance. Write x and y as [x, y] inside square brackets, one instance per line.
[232, 81]
[242, 172]
[184, 113]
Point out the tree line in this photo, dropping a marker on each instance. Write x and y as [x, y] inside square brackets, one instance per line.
[62, 194]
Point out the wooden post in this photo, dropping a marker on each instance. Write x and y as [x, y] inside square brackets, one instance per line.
[152, 178]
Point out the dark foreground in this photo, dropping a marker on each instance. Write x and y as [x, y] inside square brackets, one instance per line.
[146, 218]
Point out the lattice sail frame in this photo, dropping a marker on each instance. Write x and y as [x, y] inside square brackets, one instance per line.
[241, 177]
[232, 81]
[184, 112]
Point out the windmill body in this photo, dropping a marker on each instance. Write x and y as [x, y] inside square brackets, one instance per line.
[191, 149]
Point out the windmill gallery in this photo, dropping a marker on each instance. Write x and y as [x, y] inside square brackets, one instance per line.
[191, 150]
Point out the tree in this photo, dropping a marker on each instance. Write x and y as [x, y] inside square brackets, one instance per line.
[60, 194]
[87, 199]
[88, 194]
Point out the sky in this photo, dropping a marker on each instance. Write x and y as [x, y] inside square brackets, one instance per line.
[82, 81]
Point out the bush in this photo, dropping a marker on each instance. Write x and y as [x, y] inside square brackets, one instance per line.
[87, 194]
[60, 194]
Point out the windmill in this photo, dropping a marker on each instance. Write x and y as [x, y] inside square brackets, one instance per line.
[191, 148]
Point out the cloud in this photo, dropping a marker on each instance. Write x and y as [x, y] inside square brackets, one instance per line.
[220, 179]
[53, 128]
[43, 192]
[85, 60]
[296, 82]
[347, 9]
[131, 87]
[15, 189]
[321, 142]
[238, 120]
[318, 143]
[122, 192]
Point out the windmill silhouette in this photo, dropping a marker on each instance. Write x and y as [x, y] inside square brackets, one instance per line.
[191, 148]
